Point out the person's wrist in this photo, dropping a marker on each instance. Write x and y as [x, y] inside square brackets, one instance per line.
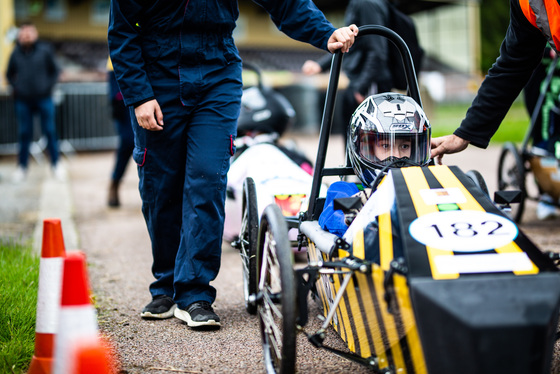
[138, 103]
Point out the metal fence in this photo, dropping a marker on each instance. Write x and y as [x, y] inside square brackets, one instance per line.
[84, 122]
[8, 127]
[83, 119]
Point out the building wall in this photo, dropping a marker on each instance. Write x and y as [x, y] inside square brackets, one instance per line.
[87, 20]
[255, 29]
[7, 32]
[451, 34]
[64, 20]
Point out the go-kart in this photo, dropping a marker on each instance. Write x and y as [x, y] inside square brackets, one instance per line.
[278, 173]
[457, 287]
[516, 164]
[277, 178]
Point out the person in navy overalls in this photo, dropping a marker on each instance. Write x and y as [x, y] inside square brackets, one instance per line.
[180, 73]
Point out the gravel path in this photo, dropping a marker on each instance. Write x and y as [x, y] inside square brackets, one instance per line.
[118, 251]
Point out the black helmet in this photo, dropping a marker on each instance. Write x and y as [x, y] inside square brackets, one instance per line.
[387, 130]
[263, 110]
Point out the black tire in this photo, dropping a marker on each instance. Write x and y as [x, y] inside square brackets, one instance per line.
[511, 176]
[248, 238]
[277, 309]
[478, 180]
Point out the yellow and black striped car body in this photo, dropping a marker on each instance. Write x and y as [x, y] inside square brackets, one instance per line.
[470, 294]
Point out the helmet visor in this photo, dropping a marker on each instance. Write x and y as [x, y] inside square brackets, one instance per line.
[385, 148]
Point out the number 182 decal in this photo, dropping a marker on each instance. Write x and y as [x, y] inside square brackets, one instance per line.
[463, 230]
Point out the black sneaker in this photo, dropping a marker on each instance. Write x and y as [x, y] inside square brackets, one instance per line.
[199, 314]
[161, 307]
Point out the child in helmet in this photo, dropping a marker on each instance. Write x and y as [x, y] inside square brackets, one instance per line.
[387, 130]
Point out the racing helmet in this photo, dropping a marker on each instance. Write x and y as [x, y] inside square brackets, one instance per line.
[387, 130]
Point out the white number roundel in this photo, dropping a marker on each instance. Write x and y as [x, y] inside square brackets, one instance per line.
[463, 230]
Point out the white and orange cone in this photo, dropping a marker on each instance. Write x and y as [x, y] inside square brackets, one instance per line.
[48, 298]
[78, 320]
[94, 356]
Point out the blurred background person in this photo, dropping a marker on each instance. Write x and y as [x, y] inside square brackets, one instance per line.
[366, 64]
[33, 72]
[121, 115]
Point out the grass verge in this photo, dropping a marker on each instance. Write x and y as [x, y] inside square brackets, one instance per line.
[19, 277]
[447, 117]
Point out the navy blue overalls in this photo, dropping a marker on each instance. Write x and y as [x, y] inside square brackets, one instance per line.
[182, 54]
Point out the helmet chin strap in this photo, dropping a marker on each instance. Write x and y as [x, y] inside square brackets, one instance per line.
[372, 175]
[397, 162]
[389, 160]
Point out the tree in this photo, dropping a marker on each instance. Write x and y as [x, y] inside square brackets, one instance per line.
[494, 20]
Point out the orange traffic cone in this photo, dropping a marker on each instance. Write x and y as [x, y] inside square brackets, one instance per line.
[78, 320]
[94, 356]
[48, 298]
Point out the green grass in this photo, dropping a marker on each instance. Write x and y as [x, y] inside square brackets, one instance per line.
[19, 275]
[447, 117]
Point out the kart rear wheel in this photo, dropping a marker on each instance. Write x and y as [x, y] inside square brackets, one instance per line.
[248, 242]
[478, 180]
[511, 176]
[277, 309]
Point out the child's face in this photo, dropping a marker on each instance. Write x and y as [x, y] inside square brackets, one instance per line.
[400, 148]
[383, 148]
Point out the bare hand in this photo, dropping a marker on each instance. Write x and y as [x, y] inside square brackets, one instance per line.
[149, 115]
[342, 38]
[311, 67]
[447, 145]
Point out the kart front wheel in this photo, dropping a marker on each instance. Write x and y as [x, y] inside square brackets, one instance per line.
[478, 180]
[511, 176]
[248, 243]
[277, 309]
